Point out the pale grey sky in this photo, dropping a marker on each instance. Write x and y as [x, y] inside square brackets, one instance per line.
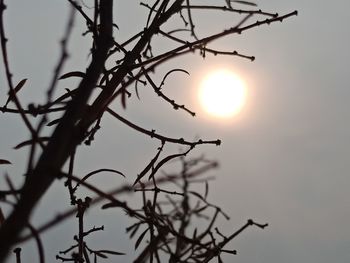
[284, 160]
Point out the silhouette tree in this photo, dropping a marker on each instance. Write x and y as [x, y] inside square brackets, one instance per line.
[162, 223]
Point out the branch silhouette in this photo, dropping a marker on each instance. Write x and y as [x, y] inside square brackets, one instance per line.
[63, 140]
[163, 225]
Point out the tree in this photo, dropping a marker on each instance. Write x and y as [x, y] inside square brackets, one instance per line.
[167, 230]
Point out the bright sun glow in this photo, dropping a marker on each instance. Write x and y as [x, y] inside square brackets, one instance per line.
[222, 94]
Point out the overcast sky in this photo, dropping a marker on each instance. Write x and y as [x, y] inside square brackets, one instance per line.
[284, 160]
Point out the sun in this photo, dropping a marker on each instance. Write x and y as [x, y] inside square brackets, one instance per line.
[222, 94]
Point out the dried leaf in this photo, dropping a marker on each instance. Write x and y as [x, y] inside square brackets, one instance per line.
[149, 166]
[206, 190]
[194, 236]
[198, 195]
[20, 85]
[101, 170]
[30, 142]
[173, 70]
[110, 252]
[78, 74]
[123, 99]
[2, 161]
[104, 79]
[115, 203]
[138, 241]
[132, 234]
[51, 123]
[200, 209]
[100, 254]
[245, 2]
[15, 90]
[167, 159]
[69, 94]
[137, 90]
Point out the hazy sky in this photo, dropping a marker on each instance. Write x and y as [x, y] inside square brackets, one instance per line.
[284, 160]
